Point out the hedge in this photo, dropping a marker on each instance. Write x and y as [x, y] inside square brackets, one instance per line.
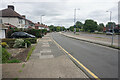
[10, 41]
[32, 40]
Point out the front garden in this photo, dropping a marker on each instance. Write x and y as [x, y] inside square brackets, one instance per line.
[17, 50]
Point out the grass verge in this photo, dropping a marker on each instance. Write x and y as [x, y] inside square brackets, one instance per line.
[29, 53]
[14, 61]
[115, 47]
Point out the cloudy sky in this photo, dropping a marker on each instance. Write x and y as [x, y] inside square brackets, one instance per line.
[61, 12]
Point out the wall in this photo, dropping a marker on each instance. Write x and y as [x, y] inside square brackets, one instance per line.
[20, 23]
[2, 34]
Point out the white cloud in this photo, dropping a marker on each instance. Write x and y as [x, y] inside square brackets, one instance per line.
[62, 11]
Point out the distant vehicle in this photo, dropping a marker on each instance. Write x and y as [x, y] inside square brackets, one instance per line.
[109, 33]
[22, 35]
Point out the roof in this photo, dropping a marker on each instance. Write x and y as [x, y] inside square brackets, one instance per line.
[39, 25]
[9, 25]
[29, 21]
[10, 13]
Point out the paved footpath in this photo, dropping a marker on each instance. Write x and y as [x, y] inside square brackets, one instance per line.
[100, 40]
[48, 61]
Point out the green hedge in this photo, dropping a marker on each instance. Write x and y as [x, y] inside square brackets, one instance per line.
[10, 42]
[36, 32]
[32, 40]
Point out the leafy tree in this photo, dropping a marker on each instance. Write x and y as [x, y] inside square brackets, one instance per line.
[71, 28]
[51, 27]
[100, 27]
[110, 26]
[58, 29]
[79, 24]
[90, 26]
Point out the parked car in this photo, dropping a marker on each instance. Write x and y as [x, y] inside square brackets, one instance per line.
[109, 33]
[22, 35]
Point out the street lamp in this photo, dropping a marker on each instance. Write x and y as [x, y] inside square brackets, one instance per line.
[75, 19]
[41, 18]
[112, 27]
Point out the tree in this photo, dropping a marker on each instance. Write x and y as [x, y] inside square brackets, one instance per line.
[110, 26]
[71, 28]
[51, 27]
[90, 26]
[100, 27]
[79, 24]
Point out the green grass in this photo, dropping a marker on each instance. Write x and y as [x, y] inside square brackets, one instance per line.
[98, 37]
[23, 65]
[77, 34]
[15, 79]
[29, 53]
[20, 71]
[14, 61]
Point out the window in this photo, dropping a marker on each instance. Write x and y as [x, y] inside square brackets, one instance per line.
[0, 21]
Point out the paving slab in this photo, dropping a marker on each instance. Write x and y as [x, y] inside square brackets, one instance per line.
[45, 62]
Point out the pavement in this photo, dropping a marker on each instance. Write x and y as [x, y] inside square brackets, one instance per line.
[103, 39]
[47, 61]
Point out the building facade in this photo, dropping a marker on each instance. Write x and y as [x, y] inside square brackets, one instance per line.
[10, 16]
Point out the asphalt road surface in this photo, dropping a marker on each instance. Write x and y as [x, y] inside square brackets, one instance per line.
[102, 61]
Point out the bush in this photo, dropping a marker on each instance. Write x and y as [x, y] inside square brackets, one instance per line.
[32, 40]
[10, 42]
[5, 55]
[14, 61]
[19, 43]
[35, 32]
[4, 44]
[27, 42]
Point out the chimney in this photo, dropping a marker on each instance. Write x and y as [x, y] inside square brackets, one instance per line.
[23, 16]
[11, 7]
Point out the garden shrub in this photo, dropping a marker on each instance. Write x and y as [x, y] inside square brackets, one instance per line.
[4, 44]
[5, 55]
[32, 40]
[27, 42]
[9, 41]
[19, 43]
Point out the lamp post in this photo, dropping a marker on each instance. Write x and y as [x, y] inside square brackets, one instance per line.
[41, 23]
[75, 19]
[112, 28]
[41, 18]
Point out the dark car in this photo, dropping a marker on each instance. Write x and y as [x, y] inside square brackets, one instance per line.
[22, 35]
[109, 33]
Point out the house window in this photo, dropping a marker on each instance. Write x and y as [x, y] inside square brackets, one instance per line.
[0, 21]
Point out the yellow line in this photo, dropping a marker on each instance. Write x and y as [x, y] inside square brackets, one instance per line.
[78, 62]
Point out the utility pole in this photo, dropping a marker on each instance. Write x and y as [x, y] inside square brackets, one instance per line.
[75, 19]
[112, 28]
[41, 18]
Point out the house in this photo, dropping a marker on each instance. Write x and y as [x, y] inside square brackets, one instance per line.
[39, 26]
[28, 23]
[9, 15]
[46, 27]
[3, 29]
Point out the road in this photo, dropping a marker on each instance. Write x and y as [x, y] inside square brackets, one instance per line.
[102, 61]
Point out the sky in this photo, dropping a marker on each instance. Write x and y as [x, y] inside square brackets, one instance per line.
[61, 12]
